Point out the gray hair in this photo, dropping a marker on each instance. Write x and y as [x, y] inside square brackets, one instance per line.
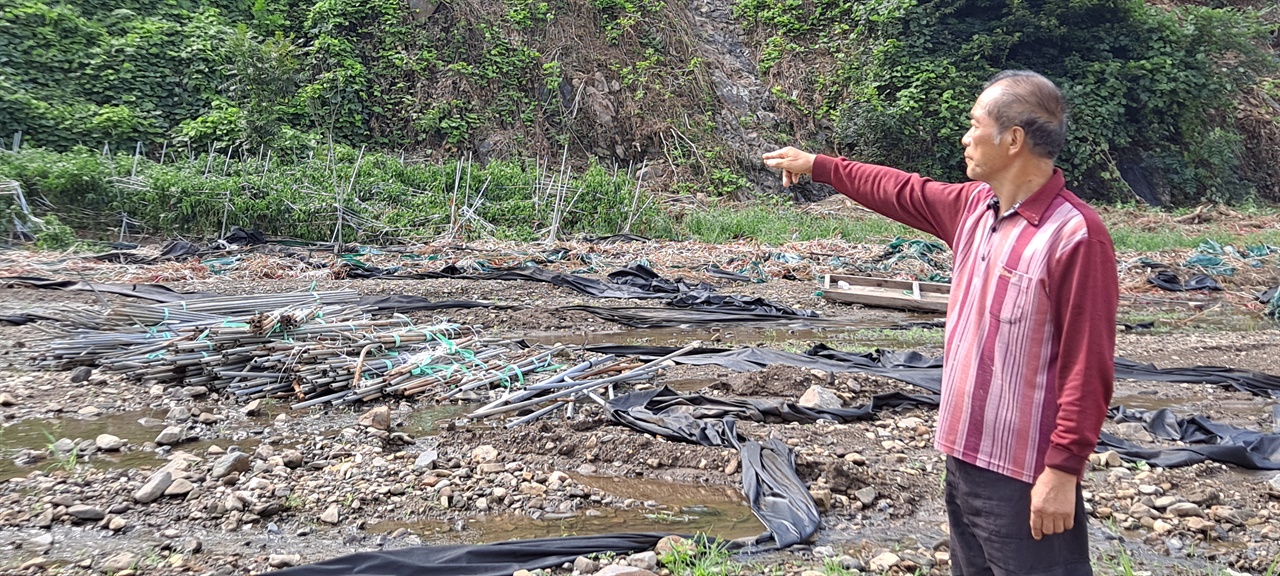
[1035, 104]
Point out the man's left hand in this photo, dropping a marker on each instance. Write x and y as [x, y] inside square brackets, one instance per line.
[1053, 503]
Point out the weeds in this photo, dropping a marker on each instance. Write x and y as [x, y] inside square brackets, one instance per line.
[701, 556]
[65, 461]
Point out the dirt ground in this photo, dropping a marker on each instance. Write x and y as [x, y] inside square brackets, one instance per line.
[314, 483]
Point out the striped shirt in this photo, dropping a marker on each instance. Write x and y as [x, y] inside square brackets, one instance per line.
[1030, 337]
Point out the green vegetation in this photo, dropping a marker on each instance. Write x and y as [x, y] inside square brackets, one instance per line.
[701, 556]
[777, 224]
[1152, 88]
[381, 198]
[54, 235]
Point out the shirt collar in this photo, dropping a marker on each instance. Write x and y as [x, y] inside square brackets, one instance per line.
[1035, 206]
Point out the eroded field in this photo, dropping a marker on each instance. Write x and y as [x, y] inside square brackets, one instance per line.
[315, 483]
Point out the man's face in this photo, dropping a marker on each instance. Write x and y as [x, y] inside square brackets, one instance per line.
[984, 155]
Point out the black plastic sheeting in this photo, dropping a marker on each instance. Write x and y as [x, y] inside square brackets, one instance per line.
[179, 249]
[1208, 440]
[154, 292]
[648, 317]
[633, 282]
[498, 559]
[1167, 280]
[1211, 440]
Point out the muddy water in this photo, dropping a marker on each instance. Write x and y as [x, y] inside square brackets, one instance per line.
[40, 433]
[659, 507]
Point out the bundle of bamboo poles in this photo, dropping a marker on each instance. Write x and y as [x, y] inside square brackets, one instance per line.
[314, 347]
[318, 348]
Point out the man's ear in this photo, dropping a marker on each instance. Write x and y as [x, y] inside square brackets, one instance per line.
[1017, 138]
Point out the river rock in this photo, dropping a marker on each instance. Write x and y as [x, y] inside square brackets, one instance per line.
[117, 524]
[45, 519]
[1165, 502]
[584, 565]
[426, 460]
[819, 397]
[484, 453]
[233, 462]
[89, 411]
[7, 399]
[291, 458]
[824, 552]
[120, 562]
[867, 496]
[619, 570]
[81, 374]
[379, 418]
[645, 560]
[109, 443]
[169, 436]
[39, 544]
[84, 512]
[180, 487]
[179, 413]
[1183, 509]
[330, 515]
[883, 562]
[154, 487]
[64, 445]
[252, 408]
[283, 560]
[1196, 524]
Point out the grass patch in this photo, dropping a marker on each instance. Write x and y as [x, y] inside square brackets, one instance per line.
[773, 224]
[701, 556]
[1138, 240]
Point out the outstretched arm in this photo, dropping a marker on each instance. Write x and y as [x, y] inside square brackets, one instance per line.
[924, 204]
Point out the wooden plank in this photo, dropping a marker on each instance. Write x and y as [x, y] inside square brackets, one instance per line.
[881, 292]
[932, 287]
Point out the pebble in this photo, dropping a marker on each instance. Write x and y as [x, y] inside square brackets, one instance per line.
[169, 436]
[252, 408]
[39, 543]
[824, 552]
[117, 524]
[109, 443]
[644, 560]
[330, 515]
[180, 487]
[819, 397]
[283, 560]
[233, 462]
[81, 374]
[378, 418]
[120, 562]
[883, 562]
[867, 495]
[84, 512]
[584, 565]
[1183, 509]
[154, 488]
[7, 399]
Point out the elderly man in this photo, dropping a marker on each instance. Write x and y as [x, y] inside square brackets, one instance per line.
[1031, 329]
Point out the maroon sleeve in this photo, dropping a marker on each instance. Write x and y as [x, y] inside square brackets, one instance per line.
[921, 203]
[1085, 293]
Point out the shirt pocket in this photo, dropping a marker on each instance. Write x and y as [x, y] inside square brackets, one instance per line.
[1014, 298]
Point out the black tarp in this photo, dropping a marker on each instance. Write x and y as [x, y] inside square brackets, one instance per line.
[1167, 280]
[153, 292]
[179, 249]
[1210, 440]
[498, 559]
[633, 282]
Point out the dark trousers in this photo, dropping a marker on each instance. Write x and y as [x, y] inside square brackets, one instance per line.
[990, 519]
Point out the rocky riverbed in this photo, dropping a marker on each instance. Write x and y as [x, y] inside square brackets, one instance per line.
[105, 476]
